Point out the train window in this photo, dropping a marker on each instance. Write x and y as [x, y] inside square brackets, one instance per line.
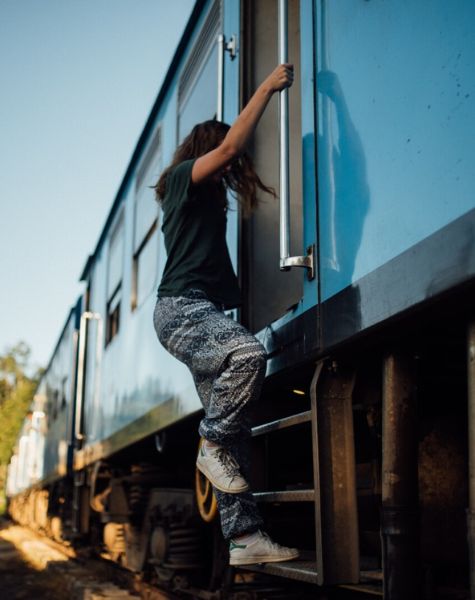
[197, 89]
[145, 267]
[55, 403]
[114, 279]
[64, 382]
[113, 315]
[145, 257]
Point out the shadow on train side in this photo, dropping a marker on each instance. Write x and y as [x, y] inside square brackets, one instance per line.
[344, 190]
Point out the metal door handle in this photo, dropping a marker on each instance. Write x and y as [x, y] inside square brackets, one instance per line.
[220, 100]
[78, 434]
[287, 261]
[223, 47]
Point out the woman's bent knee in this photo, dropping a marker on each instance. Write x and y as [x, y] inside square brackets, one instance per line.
[249, 359]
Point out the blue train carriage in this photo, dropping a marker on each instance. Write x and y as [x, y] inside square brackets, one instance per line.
[360, 443]
[38, 482]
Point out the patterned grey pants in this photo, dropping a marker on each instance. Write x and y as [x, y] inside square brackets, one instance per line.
[228, 367]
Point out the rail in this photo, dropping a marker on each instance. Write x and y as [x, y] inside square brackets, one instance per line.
[87, 315]
[287, 261]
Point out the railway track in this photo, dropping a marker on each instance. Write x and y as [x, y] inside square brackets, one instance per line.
[72, 574]
[66, 573]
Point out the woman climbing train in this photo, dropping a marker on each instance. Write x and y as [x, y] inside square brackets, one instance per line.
[198, 284]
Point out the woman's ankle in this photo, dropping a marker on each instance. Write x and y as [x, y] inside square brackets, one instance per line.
[209, 444]
[245, 538]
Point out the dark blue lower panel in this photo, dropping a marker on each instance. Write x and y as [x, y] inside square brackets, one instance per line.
[438, 264]
[294, 343]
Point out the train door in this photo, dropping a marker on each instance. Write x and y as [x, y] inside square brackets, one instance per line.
[270, 293]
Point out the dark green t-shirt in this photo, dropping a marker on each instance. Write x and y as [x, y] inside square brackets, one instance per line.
[194, 228]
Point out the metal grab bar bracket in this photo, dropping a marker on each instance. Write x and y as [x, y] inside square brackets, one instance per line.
[231, 46]
[308, 262]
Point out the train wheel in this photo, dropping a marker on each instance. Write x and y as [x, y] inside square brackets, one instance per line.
[205, 497]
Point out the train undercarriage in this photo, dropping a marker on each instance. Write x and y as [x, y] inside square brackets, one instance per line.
[360, 459]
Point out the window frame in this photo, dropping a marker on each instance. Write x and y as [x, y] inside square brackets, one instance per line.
[113, 318]
[114, 297]
[152, 157]
[203, 46]
[134, 303]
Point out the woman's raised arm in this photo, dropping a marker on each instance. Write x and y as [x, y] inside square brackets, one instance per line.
[237, 137]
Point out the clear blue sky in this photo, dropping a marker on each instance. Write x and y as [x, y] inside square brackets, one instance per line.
[78, 79]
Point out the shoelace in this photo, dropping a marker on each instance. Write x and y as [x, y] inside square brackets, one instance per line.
[269, 541]
[228, 463]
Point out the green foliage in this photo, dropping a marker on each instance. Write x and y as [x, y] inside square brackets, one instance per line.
[16, 394]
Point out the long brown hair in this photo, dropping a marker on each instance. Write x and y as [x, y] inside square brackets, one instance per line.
[241, 178]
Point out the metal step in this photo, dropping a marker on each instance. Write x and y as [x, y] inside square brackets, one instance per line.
[372, 575]
[301, 570]
[303, 417]
[286, 496]
[371, 582]
[306, 570]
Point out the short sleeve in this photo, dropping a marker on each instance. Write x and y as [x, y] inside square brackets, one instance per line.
[180, 187]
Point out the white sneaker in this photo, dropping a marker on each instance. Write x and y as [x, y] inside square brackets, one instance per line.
[261, 550]
[221, 469]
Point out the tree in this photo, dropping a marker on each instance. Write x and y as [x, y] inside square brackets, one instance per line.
[16, 394]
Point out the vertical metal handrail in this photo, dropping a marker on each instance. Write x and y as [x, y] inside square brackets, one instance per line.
[73, 384]
[97, 367]
[80, 381]
[284, 140]
[81, 367]
[471, 453]
[287, 261]
[220, 99]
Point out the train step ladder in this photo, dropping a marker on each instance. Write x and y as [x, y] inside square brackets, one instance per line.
[336, 561]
